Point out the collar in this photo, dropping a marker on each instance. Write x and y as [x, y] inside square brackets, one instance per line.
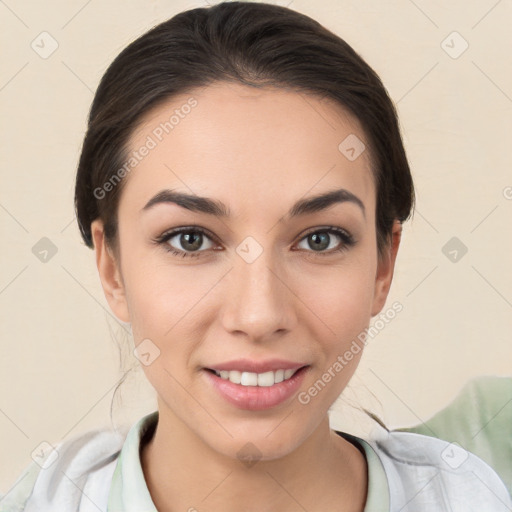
[128, 490]
[378, 496]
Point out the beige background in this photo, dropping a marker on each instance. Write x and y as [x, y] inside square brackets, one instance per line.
[59, 343]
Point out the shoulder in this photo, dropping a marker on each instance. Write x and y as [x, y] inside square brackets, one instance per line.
[425, 474]
[485, 403]
[479, 418]
[60, 473]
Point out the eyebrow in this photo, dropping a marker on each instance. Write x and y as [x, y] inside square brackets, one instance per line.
[216, 208]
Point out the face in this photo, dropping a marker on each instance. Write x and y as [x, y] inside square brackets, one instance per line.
[254, 271]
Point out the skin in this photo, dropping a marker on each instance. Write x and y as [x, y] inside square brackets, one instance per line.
[258, 151]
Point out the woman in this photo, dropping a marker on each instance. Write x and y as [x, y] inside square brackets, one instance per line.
[243, 183]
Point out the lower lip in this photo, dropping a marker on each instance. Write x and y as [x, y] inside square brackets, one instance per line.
[257, 398]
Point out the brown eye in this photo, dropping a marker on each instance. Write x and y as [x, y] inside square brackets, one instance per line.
[186, 241]
[323, 239]
[190, 241]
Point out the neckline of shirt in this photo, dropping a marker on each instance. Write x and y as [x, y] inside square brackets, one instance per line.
[129, 491]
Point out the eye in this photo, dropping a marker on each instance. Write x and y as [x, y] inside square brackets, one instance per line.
[322, 238]
[186, 241]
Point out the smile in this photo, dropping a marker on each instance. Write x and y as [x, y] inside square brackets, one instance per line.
[255, 379]
[256, 391]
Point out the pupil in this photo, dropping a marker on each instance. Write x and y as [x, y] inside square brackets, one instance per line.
[320, 240]
[192, 241]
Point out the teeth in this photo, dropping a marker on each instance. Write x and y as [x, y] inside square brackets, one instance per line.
[249, 379]
[278, 376]
[255, 379]
[288, 373]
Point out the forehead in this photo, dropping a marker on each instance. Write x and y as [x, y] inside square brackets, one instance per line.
[226, 139]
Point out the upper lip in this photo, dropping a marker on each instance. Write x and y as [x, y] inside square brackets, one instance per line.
[248, 365]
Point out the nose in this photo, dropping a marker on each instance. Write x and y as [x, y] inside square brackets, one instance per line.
[259, 299]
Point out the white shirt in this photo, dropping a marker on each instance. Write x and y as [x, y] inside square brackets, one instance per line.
[100, 471]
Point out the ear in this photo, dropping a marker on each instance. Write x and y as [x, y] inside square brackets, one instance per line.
[110, 274]
[385, 269]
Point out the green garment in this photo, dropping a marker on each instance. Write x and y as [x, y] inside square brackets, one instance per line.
[480, 420]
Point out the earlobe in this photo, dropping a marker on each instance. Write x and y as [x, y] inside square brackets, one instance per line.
[109, 272]
[385, 269]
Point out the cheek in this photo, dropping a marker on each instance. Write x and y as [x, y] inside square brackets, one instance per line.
[165, 304]
[340, 297]
[169, 306]
[342, 312]
[162, 297]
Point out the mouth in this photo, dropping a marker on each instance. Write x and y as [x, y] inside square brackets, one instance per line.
[265, 379]
[256, 391]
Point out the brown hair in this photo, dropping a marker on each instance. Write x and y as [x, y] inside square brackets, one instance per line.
[256, 44]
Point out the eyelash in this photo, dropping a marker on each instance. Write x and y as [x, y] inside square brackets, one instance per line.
[347, 240]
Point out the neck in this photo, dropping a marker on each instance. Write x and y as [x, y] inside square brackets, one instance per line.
[325, 472]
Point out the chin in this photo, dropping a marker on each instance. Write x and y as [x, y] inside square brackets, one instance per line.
[257, 443]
